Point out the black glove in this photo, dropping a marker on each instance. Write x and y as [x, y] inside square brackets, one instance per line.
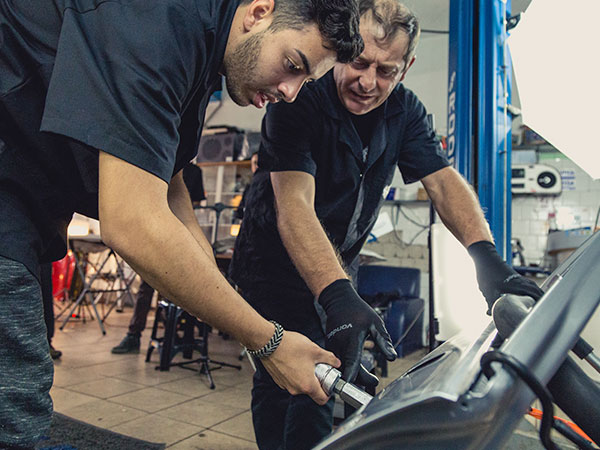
[495, 277]
[349, 321]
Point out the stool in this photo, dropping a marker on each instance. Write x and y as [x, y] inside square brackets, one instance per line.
[178, 336]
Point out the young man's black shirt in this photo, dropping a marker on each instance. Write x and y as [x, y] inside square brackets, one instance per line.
[130, 78]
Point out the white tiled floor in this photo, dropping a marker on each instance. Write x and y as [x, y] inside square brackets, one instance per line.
[127, 395]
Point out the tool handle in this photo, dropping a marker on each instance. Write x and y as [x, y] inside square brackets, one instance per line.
[327, 376]
[353, 395]
[332, 383]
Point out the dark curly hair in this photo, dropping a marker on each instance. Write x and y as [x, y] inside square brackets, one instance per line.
[338, 22]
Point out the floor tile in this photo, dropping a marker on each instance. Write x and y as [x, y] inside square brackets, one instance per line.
[212, 440]
[155, 428]
[106, 387]
[232, 377]
[239, 398]
[64, 399]
[148, 376]
[201, 413]
[150, 399]
[238, 426]
[81, 358]
[103, 413]
[194, 386]
[64, 377]
[121, 366]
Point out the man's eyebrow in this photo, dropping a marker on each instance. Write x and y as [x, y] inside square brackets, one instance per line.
[304, 62]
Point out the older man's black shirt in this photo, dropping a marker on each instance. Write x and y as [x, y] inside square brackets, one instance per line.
[316, 135]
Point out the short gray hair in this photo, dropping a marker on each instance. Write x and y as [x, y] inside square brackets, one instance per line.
[393, 16]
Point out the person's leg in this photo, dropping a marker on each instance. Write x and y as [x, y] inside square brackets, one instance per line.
[25, 365]
[285, 422]
[269, 409]
[143, 301]
[48, 302]
[306, 422]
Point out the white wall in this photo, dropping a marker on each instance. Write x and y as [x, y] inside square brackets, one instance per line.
[574, 208]
[228, 113]
[428, 77]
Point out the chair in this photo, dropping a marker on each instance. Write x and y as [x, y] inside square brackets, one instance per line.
[113, 277]
[179, 336]
[394, 292]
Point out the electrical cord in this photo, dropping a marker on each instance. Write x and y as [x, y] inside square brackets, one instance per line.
[538, 389]
[597, 217]
[413, 221]
[412, 241]
[395, 217]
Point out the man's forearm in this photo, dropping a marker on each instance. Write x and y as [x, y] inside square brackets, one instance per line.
[163, 251]
[181, 205]
[458, 206]
[308, 247]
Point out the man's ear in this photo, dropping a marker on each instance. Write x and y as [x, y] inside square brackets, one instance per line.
[258, 12]
[408, 66]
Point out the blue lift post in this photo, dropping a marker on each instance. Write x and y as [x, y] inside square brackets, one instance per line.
[479, 88]
[460, 87]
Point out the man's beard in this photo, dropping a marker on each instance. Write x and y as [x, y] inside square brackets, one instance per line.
[240, 68]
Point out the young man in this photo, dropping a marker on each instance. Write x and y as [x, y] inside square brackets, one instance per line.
[323, 167]
[101, 105]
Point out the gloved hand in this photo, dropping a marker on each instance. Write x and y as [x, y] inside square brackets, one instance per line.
[495, 277]
[349, 321]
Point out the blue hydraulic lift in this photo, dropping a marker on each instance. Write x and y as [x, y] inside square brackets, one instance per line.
[479, 90]
[479, 125]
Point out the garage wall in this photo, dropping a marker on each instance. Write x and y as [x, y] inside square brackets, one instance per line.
[428, 77]
[575, 207]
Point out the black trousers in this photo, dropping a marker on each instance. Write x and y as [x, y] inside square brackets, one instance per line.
[286, 422]
[141, 309]
[283, 421]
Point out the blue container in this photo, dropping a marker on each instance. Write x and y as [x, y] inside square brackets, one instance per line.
[403, 285]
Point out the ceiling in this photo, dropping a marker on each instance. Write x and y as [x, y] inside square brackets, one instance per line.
[433, 14]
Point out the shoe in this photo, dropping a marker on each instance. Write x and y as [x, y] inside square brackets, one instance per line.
[129, 344]
[55, 354]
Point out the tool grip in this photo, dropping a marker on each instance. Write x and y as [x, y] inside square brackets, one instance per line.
[332, 383]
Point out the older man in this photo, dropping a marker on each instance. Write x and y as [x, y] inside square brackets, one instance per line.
[101, 105]
[324, 164]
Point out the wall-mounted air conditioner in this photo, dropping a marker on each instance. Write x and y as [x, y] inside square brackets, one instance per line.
[537, 179]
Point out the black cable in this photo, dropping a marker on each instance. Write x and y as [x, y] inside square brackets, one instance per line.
[394, 223]
[412, 241]
[597, 217]
[568, 432]
[395, 217]
[533, 383]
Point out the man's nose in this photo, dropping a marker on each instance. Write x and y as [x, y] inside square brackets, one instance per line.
[289, 90]
[368, 80]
